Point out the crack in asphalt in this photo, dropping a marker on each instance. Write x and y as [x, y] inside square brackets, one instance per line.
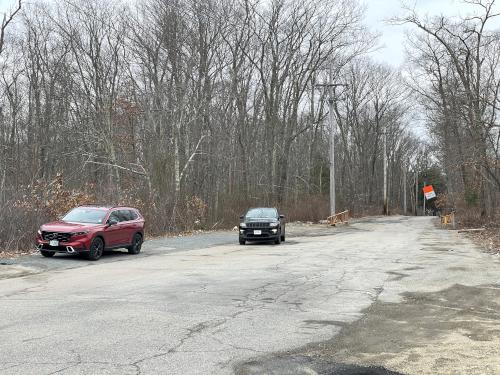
[63, 369]
[23, 292]
[195, 330]
[36, 338]
[191, 332]
[253, 299]
[9, 367]
[67, 365]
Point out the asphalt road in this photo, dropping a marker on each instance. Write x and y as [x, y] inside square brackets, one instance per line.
[396, 293]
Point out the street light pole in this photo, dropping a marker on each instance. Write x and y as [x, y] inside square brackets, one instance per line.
[331, 95]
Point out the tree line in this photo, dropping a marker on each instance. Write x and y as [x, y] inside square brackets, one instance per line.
[456, 77]
[194, 110]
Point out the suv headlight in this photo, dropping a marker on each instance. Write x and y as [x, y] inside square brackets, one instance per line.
[274, 224]
[243, 225]
[39, 232]
[80, 233]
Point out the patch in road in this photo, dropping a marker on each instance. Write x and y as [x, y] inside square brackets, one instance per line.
[303, 365]
[453, 331]
[10, 271]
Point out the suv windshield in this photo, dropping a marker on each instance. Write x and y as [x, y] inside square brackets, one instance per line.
[262, 213]
[85, 215]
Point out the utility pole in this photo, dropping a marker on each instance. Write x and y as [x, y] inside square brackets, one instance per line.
[332, 152]
[386, 208]
[331, 97]
[416, 190]
[404, 189]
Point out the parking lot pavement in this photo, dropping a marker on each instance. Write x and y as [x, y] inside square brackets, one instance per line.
[35, 263]
[395, 293]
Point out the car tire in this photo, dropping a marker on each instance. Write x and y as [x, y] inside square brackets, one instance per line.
[47, 254]
[96, 249]
[135, 248]
[277, 241]
[242, 242]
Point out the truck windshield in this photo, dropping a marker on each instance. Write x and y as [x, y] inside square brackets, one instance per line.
[262, 213]
[85, 215]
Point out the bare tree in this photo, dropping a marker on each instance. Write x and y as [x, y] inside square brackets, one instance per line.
[194, 110]
[462, 60]
[5, 22]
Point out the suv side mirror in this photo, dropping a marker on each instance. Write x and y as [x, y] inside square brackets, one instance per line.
[112, 222]
[242, 217]
[282, 216]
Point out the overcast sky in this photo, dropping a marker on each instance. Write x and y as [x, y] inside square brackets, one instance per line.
[392, 38]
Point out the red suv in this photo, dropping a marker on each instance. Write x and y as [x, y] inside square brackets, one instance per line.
[91, 230]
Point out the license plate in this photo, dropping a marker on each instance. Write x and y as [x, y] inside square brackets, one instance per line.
[54, 243]
[257, 232]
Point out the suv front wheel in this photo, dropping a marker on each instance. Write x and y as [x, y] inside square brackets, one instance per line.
[278, 240]
[96, 249]
[47, 254]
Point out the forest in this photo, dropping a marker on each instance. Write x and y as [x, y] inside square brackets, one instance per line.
[194, 110]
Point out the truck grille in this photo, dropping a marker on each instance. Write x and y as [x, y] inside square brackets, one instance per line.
[60, 236]
[257, 225]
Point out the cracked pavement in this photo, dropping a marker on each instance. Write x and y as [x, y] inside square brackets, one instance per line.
[210, 310]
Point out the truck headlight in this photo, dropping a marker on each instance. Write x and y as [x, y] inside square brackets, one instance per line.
[243, 225]
[274, 224]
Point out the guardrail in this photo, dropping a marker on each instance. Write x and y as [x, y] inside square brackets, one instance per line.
[340, 218]
[448, 220]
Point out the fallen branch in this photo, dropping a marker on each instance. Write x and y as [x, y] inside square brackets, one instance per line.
[181, 176]
[116, 166]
